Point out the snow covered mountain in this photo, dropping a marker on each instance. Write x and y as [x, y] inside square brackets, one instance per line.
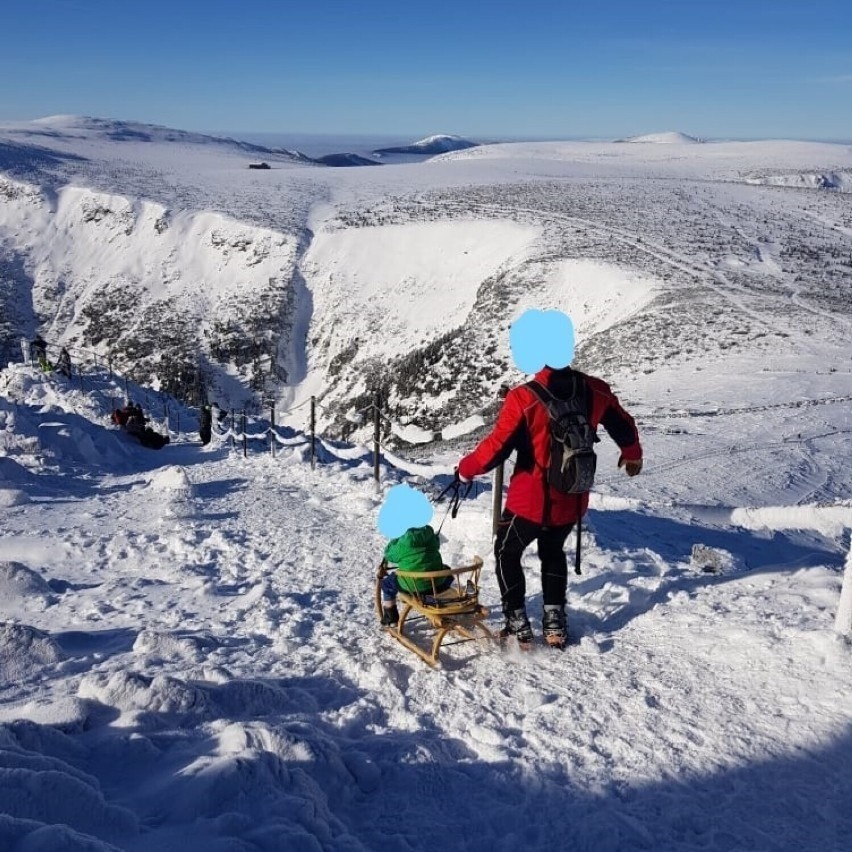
[438, 144]
[166, 255]
[672, 137]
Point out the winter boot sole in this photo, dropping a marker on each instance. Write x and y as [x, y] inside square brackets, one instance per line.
[524, 644]
[555, 640]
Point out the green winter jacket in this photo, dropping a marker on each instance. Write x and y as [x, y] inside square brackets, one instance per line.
[415, 550]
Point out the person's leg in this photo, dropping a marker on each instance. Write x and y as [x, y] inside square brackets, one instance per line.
[390, 587]
[514, 535]
[554, 564]
[554, 580]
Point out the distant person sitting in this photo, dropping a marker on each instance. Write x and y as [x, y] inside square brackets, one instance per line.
[205, 424]
[38, 350]
[63, 365]
[132, 419]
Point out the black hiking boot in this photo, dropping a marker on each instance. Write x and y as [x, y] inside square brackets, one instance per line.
[390, 616]
[518, 625]
[554, 626]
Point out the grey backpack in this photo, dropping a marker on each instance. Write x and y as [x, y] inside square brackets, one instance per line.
[572, 463]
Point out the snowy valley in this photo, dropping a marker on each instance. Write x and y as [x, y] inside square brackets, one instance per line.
[189, 653]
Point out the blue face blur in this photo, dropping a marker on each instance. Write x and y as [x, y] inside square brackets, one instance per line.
[542, 337]
[404, 507]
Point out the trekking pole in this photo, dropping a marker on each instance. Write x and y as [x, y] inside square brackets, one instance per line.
[272, 430]
[245, 440]
[579, 533]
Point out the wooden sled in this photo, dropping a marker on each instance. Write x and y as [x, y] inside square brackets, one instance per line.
[455, 610]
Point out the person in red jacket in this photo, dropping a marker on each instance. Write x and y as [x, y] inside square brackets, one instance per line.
[534, 510]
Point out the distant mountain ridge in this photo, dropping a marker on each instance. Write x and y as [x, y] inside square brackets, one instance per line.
[438, 144]
[671, 137]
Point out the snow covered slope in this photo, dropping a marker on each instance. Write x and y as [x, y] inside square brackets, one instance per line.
[189, 657]
[288, 281]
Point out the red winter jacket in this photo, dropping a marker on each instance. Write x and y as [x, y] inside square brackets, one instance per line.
[523, 425]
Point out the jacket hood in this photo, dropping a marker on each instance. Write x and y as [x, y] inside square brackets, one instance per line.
[420, 536]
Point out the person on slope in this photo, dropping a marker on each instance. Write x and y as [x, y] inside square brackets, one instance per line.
[543, 343]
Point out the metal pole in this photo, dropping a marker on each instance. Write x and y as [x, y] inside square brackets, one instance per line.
[376, 434]
[313, 432]
[245, 439]
[497, 504]
[272, 430]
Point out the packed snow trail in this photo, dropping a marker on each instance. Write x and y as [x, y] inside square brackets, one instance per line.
[213, 677]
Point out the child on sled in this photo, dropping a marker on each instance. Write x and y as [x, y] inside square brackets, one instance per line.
[414, 546]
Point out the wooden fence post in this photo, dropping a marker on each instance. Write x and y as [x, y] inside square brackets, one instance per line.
[313, 432]
[843, 620]
[377, 399]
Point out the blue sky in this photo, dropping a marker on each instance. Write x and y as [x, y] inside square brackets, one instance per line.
[753, 68]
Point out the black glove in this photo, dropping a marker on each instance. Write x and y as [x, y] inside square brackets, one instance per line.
[632, 468]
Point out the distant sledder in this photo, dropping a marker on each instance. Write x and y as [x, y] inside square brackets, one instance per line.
[132, 419]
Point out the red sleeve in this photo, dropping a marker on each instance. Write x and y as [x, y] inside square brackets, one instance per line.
[607, 411]
[497, 446]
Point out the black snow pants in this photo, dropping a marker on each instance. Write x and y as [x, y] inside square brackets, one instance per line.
[514, 535]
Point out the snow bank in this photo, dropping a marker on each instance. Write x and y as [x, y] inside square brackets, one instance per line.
[828, 520]
[173, 483]
[42, 797]
[132, 693]
[466, 426]
[18, 582]
[596, 295]
[405, 281]
[843, 621]
[25, 651]
[841, 181]
[411, 433]
[11, 497]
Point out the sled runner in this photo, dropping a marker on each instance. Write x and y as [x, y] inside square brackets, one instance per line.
[456, 610]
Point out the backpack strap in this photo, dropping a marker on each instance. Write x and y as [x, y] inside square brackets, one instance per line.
[542, 393]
